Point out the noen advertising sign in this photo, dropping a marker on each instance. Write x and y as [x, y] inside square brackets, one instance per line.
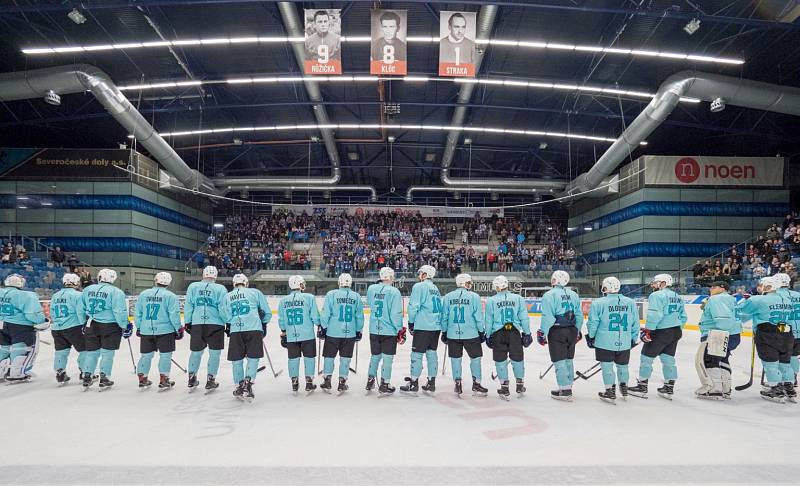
[713, 171]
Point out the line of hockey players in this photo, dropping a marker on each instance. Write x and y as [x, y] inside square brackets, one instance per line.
[95, 321]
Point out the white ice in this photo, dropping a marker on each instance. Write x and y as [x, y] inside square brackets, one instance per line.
[55, 435]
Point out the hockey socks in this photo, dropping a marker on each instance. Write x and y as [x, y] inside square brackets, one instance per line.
[433, 363]
[294, 368]
[518, 367]
[455, 363]
[374, 361]
[238, 370]
[143, 367]
[502, 370]
[90, 361]
[787, 373]
[645, 368]
[106, 361]
[344, 367]
[564, 372]
[309, 366]
[474, 368]
[252, 368]
[668, 367]
[164, 363]
[608, 373]
[194, 362]
[5, 352]
[772, 371]
[60, 360]
[416, 365]
[386, 371]
[622, 373]
[327, 366]
[213, 361]
[795, 363]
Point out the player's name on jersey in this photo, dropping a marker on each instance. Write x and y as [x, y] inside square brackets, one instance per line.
[456, 70]
[331, 67]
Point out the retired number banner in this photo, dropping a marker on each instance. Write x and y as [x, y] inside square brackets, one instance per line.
[388, 46]
[457, 44]
[323, 42]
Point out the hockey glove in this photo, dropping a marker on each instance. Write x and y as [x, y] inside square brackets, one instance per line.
[540, 338]
[128, 331]
[634, 343]
[228, 330]
[284, 341]
[580, 336]
[401, 336]
[590, 342]
[138, 333]
[321, 332]
[359, 336]
[482, 336]
[444, 337]
[188, 327]
[645, 336]
[42, 326]
[179, 334]
[411, 328]
[527, 340]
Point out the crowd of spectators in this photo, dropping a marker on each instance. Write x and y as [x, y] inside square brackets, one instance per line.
[14, 254]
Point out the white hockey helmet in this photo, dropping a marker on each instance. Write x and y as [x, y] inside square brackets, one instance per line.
[663, 277]
[297, 282]
[163, 278]
[210, 272]
[345, 280]
[783, 280]
[462, 279]
[386, 274]
[240, 279]
[499, 283]
[15, 280]
[71, 280]
[611, 285]
[107, 275]
[560, 278]
[428, 270]
[769, 284]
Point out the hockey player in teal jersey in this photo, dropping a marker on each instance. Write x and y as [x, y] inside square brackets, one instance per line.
[297, 317]
[246, 315]
[205, 326]
[386, 329]
[463, 328]
[666, 316]
[341, 327]
[158, 325]
[562, 320]
[789, 371]
[508, 330]
[20, 317]
[424, 307]
[718, 325]
[612, 329]
[67, 328]
[772, 333]
[106, 316]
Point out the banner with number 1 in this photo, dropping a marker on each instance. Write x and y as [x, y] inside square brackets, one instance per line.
[388, 47]
[323, 41]
[457, 44]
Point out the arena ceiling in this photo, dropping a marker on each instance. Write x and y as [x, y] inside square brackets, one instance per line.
[763, 34]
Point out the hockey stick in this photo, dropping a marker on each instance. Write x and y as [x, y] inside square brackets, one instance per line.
[752, 368]
[542, 375]
[179, 366]
[269, 360]
[355, 370]
[133, 361]
[319, 356]
[444, 360]
[585, 375]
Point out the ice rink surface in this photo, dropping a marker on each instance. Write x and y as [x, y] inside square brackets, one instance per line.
[55, 435]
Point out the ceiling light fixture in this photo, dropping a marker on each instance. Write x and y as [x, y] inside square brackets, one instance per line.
[692, 26]
[76, 16]
[413, 39]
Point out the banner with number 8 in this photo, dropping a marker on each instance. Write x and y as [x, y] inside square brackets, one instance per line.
[388, 47]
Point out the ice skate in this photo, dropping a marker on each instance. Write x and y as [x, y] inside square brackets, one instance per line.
[458, 390]
[609, 396]
[370, 384]
[623, 391]
[326, 384]
[790, 392]
[640, 390]
[238, 393]
[17, 381]
[503, 392]
[144, 382]
[105, 383]
[385, 389]
[520, 388]
[411, 387]
[164, 383]
[773, 394]
[248, 391]
[667, 390]
[86, 380]
[193, 383]
[211, 384]
[310, 386]
[478, 390]
[562, 395]
[62, 378]
[430, 386]
[295, 385]
[342, 385]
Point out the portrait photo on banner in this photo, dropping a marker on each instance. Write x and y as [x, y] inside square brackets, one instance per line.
[388, 42]
[457, 43]
[323, 41]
